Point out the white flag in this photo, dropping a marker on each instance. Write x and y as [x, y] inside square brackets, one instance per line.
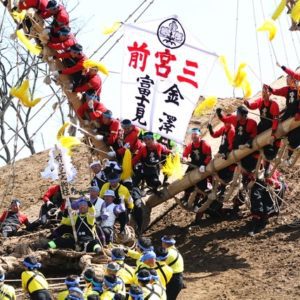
[162, 76]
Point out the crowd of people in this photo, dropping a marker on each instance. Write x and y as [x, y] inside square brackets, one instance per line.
[157, 274]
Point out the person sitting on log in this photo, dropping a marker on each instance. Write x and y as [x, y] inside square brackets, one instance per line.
[265, 197]
[109, 213]
[122, 198]
[60, 17]
[125, 272]
[39, 5]
[7, 292]
[70, 282]
[91, 109]
[73, 60]
[84, 222]
[53, 206]
[129, 139]
[245, 132]
[269, 118]
[108, 130]
[227, 134]
[292, 109]
[199, 151]
[64, 41]
[146, 163]
[12, 219]
[34, 282]
[91, 82]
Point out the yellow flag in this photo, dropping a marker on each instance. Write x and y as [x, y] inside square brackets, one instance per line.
[22, 93]
[19, 16]
[224, 64]
[112, 29]
[270, 27]
[279, 10]
[92, 63]
[205, 106]
[295, 13]
[126, 165]
[61, 130]
[247, 89]
[68, 142]
[34, 49]
[167, 168]
[240, 75]
[177, 167]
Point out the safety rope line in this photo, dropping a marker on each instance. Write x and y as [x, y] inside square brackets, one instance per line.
[283, 41]
[27, 122]
[288, 20]
[257, 43]
[33, 135]
[118, 40]
[235, 41]
[122, 23]
[270, 45]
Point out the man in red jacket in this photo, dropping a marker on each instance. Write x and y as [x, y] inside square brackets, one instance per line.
[290, 92]
[147, 162]
[245, 132]
[91, 82]
[269, 118]
[64, 40]
[73, 59]
[91, 109]
[59, 14]
[200, 153]
[12, 219]
[129, 140]
[108, 129]
[39, 5]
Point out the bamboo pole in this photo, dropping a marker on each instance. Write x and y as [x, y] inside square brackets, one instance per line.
[191, 178]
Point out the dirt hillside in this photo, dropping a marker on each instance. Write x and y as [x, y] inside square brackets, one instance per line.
[221, 261]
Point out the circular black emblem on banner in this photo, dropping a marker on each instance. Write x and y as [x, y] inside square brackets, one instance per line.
[171, 34]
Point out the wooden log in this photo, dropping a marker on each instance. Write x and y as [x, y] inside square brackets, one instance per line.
[191, 178]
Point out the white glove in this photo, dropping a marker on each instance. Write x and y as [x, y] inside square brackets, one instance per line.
[90, 104]
[111, 154]
[99, 137]
[50, 58]
[127, 146]
[202, 169]
[184, 159]
[55, 73]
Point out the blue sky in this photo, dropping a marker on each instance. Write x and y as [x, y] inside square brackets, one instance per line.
[212, 22]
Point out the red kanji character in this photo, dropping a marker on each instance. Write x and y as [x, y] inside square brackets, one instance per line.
[163, 69]
[187, 71]
[138, 54]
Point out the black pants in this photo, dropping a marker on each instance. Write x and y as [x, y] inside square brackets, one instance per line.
[261, 202]
[123, 220]
[174, 286]
[108, 233]
[294, 138]
[40, 295]
[149, 174]
[227, 173]
[249, 162]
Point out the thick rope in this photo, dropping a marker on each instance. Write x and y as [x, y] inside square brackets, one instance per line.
[257, 43]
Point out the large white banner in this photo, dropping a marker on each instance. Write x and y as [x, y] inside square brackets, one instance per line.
[162, 76]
